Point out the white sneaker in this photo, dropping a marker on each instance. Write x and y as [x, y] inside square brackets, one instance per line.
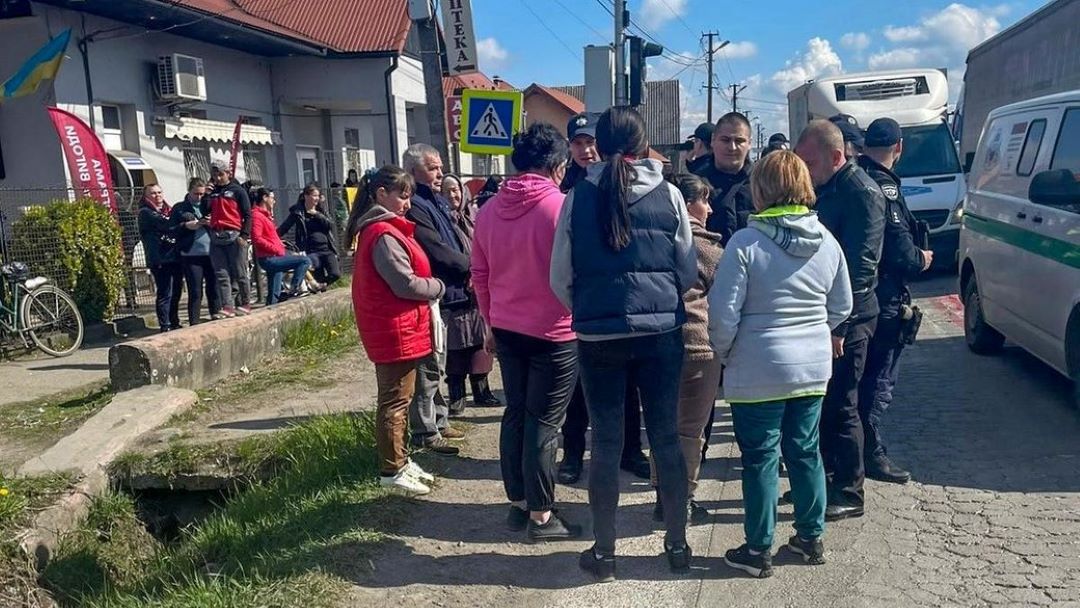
[414, 470]
[405, 483]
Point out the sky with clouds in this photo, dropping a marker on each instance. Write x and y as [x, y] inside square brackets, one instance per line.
[773, 47]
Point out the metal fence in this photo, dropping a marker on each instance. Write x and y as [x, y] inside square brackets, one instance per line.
[137, 295]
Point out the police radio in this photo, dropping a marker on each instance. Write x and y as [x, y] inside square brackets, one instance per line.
[922, 235]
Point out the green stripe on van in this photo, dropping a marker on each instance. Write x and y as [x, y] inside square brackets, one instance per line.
[1041, 245]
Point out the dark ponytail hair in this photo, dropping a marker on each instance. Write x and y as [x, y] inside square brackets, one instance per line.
[620, 133]
[392, 178]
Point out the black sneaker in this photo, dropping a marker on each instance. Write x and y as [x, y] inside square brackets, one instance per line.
[695, 513]
[570, 471]
[637, 464]
[556, 528]
[678, 558]
[787, 498]
[437, 444]
[757, 566]
[812, 551]
[601, 567]
[517, 519]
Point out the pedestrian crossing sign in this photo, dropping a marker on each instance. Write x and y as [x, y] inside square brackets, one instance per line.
[491, 120]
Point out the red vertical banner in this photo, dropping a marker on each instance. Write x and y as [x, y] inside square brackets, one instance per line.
[235, 146]
[453, 118]
[87, 161]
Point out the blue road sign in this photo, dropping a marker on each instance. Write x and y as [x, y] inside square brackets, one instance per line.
[491, 118]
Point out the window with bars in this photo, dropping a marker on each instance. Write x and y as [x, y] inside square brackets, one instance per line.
[254, 162]
[196, 160]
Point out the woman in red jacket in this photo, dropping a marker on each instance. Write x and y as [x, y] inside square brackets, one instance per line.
[392, 293]
[270, 251]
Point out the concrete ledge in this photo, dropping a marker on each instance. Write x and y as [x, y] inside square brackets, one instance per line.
[112, 430]
[88, 451]
[198, 356]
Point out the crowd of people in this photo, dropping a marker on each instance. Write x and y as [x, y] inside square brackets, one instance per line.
[612, 294]
[205, 242]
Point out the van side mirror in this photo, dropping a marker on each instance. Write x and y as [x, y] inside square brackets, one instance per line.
[969, 160]
[1055, 188]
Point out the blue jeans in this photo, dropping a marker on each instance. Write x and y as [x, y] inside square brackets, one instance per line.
[763, 431]
[653, 363]
[276, 267]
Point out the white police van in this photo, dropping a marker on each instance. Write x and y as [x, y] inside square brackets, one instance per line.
[1020, 243]
[932, 179]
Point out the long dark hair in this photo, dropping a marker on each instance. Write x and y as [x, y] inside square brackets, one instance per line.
[393, 179]
[620, 138]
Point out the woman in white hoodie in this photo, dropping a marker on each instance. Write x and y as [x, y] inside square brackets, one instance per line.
[781, 286]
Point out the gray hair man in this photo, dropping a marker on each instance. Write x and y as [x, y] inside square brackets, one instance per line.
[446, 249]
[852, 207]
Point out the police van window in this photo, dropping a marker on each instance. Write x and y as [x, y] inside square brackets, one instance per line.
[1032, 142]
[1067, 150]
[928, 150]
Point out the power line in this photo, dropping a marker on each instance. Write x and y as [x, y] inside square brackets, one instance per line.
[678, 16]
[580, 20]
[551, 31]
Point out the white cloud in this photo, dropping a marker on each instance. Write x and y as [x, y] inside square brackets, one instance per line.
[940, 40]
[656, 13]
[740, 50]
[491, 54]
[856, 41]
[818, 60]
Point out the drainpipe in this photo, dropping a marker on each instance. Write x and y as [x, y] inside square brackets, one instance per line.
[391, 109]
[84, 50]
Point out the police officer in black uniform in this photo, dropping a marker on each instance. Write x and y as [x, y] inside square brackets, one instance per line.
[901, 261]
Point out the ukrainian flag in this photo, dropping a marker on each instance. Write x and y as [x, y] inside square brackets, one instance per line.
[42, 66]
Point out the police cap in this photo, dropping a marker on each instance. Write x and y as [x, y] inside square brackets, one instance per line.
[883, 133]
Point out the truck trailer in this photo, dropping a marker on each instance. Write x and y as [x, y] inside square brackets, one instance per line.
[931, 178]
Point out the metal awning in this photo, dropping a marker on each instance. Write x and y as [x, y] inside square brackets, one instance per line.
[189, 129]
[130, 160]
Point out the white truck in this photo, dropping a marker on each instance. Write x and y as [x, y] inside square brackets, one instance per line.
[931, 177]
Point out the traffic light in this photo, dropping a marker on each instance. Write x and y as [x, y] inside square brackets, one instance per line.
[640, 50]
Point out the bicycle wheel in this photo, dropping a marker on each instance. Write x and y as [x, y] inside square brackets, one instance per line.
[52, 320]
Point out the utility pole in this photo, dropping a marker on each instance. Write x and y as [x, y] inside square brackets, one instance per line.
[431, 57]
[710, 55]
[735, 90]
[620, 53]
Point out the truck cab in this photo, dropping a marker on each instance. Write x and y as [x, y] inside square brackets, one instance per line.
[932, 178]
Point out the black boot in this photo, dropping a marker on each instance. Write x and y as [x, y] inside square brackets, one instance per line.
[481, 392]
[883, 469]
[570, 469]
[455, 386]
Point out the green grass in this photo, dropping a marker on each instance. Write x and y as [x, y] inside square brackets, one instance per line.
[321, 336]
[276, 544]
[20, 499]
[55, 415]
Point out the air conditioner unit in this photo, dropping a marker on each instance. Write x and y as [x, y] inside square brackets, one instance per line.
[181, 78]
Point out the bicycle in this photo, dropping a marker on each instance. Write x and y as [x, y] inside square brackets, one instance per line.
[38, 311]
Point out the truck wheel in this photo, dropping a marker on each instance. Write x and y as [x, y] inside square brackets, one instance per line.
[981, 338]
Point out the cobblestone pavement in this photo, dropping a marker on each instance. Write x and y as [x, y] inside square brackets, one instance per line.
[992, 517]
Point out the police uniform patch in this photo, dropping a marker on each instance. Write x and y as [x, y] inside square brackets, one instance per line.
[895, 217]
[890, 191]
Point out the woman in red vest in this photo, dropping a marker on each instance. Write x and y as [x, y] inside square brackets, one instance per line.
[392, 293]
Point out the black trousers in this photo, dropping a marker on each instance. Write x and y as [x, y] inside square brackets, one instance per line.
[325, 266]
[878, 382]
[577, 424]
[538, 377]
[200, 279]
[168, 286]
[841, 426]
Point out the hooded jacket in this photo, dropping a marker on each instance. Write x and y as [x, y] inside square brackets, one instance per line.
[312, 232]
[392, 289]
[696, 331]
[511, 259]
[230, 208]
[636, 291]
[264, 237]
[782, 285]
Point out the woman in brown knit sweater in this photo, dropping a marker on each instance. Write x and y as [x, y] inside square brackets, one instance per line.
[701, 370]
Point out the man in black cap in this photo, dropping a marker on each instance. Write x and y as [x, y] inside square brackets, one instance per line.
[901, 261]
[701, 142]
[777, 141]
[727, 169]
[853, 135]
[581, 131]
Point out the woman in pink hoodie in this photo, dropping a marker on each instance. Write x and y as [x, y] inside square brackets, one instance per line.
[530, 328]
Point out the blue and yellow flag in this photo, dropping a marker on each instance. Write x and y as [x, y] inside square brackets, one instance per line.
[42, 66]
